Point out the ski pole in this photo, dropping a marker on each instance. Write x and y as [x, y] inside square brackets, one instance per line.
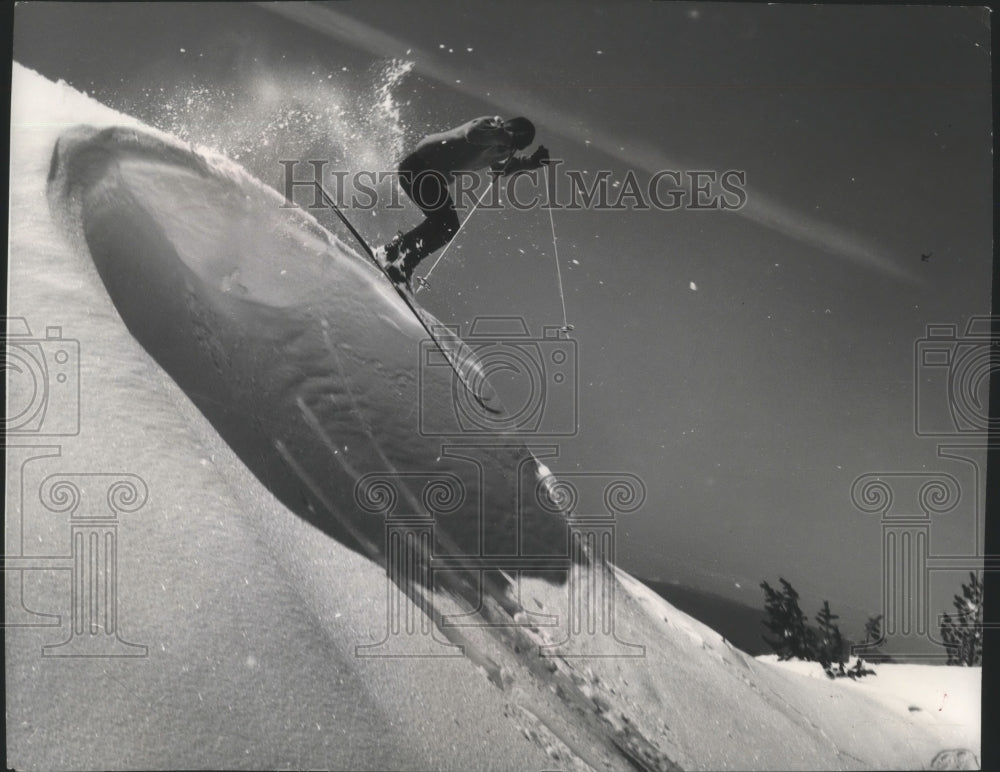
[423, 281]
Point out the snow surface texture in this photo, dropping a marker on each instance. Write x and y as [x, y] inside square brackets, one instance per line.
[249, 611]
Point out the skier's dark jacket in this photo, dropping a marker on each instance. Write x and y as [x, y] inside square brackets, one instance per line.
[480, 143]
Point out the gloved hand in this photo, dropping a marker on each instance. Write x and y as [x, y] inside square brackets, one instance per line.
[539, 157]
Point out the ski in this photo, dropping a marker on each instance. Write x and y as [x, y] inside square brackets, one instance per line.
[461, 358]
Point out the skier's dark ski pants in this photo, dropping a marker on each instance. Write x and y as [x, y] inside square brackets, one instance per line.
[428, 189]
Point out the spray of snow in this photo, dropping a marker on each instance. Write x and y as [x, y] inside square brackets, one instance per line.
[351, 121]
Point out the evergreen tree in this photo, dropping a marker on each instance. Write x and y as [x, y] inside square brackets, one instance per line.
[873, 630]
[963, 633]
[830, 644]
[872, 645]
[790, 635]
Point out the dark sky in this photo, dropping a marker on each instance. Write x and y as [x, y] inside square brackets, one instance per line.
[750, 400]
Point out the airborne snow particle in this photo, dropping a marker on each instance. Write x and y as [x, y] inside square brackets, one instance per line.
[693, 286]
[575, 261]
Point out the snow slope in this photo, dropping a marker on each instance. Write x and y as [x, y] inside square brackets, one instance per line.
[237, 578]
[913, 693]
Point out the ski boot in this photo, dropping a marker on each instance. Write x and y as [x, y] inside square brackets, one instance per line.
[391, 251]
[394, 261]
[398, 276]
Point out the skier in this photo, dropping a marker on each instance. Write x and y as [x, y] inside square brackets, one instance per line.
[426, 173]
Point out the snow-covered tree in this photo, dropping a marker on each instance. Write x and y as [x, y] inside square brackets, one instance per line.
[791, 637]
[830, 643]
[873, 630]
[963, 633]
